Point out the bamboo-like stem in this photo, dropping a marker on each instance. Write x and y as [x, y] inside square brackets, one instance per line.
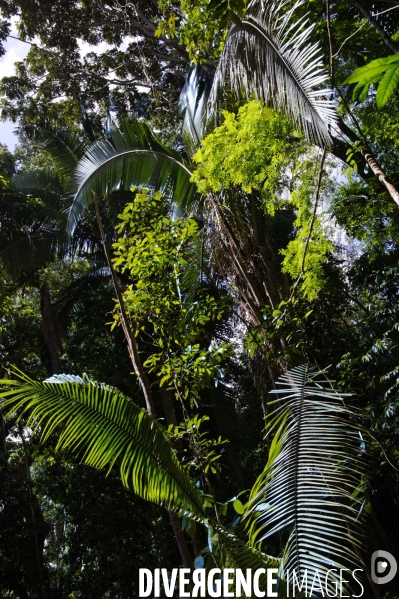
[369, 157]
[364, 151]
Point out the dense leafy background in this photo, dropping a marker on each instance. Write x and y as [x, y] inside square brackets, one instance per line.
[227, 290]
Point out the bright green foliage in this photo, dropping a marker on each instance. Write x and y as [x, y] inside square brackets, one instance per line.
[202, 26]
[384, 71]
[105, 427]
[157, 250]
[251, 150]
[257, 150]
[190, 369]
[313, 278]
[307, 253]
[4, 184]
[152, 249]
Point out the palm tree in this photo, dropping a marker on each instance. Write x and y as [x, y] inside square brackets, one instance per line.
[306, 492]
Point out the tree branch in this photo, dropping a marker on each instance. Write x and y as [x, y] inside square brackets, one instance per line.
[129, 334]
[385, 38]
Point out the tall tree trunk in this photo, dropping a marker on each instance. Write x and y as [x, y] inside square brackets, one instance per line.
[170, 417]
[181, 541]
[53, 332]
[127, 329]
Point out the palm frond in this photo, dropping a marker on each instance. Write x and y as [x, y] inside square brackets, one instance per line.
[30, 252]
[29, 215]
[65, 147]
[192, 102]
[230, 552]
[41, 185]
[105, 427]
[270, 55]
[307, 487]
[133, 156]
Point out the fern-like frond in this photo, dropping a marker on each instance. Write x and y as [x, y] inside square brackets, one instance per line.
[307, 488]
[104, 427]
[270, 56]
[133, 156]
[29, 252]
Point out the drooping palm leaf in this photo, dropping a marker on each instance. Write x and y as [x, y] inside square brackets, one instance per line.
[270, 55]
[63, 146]
[29, 213]
[105, 427]
[192, 102]
[29, 253]
[230, 552]
[132, 157]
[307, 488]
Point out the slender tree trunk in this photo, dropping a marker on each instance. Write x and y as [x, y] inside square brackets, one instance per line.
[364, 155]
[170, 417]
[384, 36]
[39, 553]
[52, 329]
[181, 540]
[144, 383]
[129, 334]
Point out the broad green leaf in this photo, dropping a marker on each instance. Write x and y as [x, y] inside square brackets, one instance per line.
[239, 508]
[369, 75]
[387, 86]
[380, 65]
[364, 94]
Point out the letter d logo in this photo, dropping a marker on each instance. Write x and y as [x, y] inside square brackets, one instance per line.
[383, 567]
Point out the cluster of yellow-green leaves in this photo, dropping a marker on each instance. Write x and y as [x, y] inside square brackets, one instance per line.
[257, 149]
[159, 251]
[310, 247]
[254, 149]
